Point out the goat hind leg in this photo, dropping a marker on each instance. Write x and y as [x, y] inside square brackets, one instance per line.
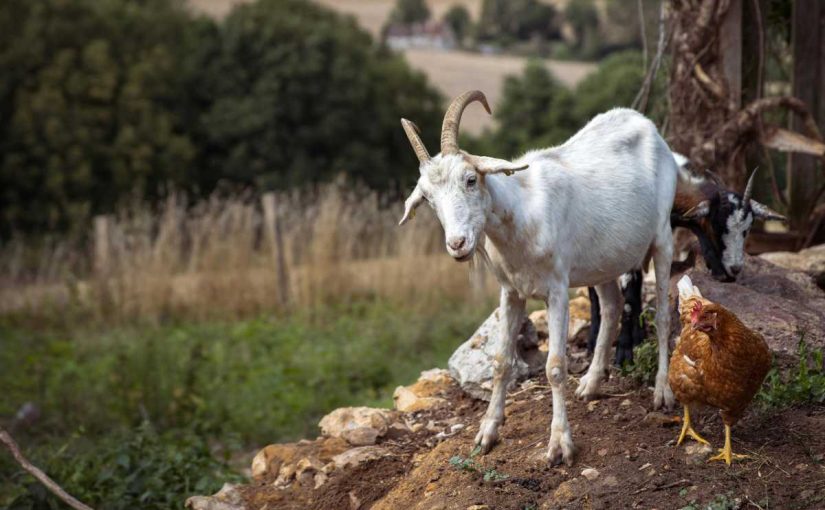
[610, 300]
[511, 312]
[662, 258]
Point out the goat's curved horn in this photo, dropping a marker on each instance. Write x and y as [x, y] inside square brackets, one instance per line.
[414, 134]
[746, 196]
[452, 119]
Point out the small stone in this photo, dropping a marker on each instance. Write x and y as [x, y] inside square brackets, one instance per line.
[590, 473]
[478, 507]
[308, 464]
[354, 457]
[361, 436]
[626, 403]
[348, 418]
[647, 465]
[602, 452]
[228, 498]
[660, 419]
[591, 406]
[697, 453]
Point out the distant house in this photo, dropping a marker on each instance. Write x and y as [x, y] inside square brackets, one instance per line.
[431, 34]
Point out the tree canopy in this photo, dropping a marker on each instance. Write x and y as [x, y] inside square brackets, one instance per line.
[111, 99]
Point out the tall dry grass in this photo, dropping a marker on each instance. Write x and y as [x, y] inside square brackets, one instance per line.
[219, 258]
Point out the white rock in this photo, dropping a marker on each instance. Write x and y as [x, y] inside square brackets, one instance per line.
[590, 473]
[227, 498]
[355, 456]
[344, 421]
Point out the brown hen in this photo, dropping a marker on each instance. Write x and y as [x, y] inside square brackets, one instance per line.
[718, 362]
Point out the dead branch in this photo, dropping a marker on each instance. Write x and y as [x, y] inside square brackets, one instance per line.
[42, 477]
[641, 99]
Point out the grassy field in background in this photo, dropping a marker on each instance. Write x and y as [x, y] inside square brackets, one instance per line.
[233, 386]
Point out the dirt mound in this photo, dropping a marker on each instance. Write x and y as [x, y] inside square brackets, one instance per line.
[626, 456]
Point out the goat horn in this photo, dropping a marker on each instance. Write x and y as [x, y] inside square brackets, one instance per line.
[414, 134]
[452, 119]
[746, 196]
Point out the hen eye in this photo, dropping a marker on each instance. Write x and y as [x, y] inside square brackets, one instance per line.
[471, 181]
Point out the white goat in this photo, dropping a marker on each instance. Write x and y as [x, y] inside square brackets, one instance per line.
[580, 214]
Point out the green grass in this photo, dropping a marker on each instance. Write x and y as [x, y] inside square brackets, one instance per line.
[233, 384]
[804, 384]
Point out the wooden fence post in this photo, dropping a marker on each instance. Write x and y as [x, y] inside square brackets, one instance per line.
[808, 85]
[102, 244]
[274, 234]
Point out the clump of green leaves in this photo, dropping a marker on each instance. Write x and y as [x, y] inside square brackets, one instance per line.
[804, 384]
[139, 469]
[645, 355]
[719, 502]
[470, 465]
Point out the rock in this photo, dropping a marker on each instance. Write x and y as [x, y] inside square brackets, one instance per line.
[697, 453]
[472, 363]
[361, 436]
[478, 507]
[228, 498]
[602, 452]
[810, 260]
[311, 464]
[424, 393]
[567, 492]
[590, 473]
[272, 457]
[660, 419]
[768, 298]
[407, 401]
[355, 456]
[343, 423]
[320, 479]
[577, 325]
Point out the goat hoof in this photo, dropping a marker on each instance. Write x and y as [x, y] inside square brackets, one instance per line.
[663, 396]
[623, 355]
[561, 449]
[487, 435]
[589, 384]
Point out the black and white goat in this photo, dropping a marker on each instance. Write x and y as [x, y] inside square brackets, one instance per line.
[719, 218]
[579, 214]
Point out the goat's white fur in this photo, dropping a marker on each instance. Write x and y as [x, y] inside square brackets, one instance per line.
[581, 214]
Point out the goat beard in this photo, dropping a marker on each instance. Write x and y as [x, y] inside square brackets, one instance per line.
[480, 261]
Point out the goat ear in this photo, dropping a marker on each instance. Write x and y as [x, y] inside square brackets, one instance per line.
[763, 212]
[415, 199]
[487, 166]
[698, 211]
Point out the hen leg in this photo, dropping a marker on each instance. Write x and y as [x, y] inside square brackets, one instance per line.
[725, 453]
[687, 430]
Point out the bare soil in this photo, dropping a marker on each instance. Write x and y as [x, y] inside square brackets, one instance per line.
[639, 465]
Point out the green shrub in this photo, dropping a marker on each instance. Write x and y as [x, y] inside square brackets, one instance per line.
[803, 385]
[133, 469]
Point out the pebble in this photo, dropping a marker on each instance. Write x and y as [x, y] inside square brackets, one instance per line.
[590, 473]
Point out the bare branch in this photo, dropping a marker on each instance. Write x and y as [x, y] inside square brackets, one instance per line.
[42, 477]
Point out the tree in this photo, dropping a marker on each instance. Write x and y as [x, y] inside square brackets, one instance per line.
[505, 20]
[458, 19]
[536, 111]
[92, 96]
[407, 12]
[583, 17]
[300, 94]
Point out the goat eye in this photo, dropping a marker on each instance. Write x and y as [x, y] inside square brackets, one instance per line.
[471, 181]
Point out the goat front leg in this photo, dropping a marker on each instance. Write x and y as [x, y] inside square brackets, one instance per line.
[561, 445]
[511, 312]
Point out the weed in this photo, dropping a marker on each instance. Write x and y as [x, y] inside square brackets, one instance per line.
[719, 502]
[804, 384]
[471, 466]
